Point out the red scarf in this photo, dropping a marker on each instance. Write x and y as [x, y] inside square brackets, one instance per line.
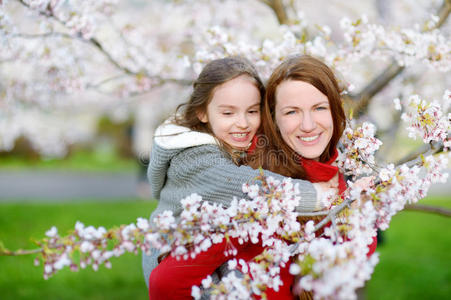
[317, 171]
[253, 145]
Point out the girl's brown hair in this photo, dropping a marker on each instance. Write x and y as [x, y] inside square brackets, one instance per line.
[213, 75]
[273, 153]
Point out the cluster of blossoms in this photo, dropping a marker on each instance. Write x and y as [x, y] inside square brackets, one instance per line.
[362, 39]
[269, 217]
[427, 120]
[359, 147]
[407, 46]
[80, 17]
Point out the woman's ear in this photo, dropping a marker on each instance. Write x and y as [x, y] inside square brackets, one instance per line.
[202, 116]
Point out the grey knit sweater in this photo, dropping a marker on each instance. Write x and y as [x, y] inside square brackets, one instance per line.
[183, 162]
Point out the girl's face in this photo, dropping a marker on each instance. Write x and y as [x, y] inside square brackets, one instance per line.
[304, 118]
[234, 112]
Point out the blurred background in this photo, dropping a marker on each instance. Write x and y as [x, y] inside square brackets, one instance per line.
[76, 128]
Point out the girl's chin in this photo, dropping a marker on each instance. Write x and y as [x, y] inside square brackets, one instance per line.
[239, 145]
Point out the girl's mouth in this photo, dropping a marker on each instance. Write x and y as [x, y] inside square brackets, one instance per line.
[240, 136]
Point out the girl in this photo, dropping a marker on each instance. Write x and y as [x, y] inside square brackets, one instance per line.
[303, 116]
[200, 151]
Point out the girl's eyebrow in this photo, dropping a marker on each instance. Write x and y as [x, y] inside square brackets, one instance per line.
[226, 106]
[256, 104]
[233, 106]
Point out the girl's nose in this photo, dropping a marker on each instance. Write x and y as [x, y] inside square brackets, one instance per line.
[242, 122]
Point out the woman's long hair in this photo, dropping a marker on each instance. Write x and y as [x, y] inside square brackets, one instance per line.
[273, 153]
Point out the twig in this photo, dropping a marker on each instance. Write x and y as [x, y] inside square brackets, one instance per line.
[430, 209]
[6, 252]
[434, 148]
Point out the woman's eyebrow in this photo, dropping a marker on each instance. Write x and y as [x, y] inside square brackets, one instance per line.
[289, 106]
[322, 103]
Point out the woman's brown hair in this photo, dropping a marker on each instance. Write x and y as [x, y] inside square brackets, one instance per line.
[273, 153]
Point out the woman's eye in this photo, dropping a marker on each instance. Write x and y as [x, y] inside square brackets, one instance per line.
[290, 112]
[254, 111]
[321, 108]
[227, 113]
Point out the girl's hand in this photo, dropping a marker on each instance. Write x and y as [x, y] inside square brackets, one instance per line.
[326, 192]
[363, 183]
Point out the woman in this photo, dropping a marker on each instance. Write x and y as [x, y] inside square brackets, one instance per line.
[303, 118]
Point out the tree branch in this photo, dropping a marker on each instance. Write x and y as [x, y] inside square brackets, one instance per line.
[430, 209]
[279, 10]
[98, 45]
[443, 13]
[6, 252]
[424, 150]
[414, 154]
[364, 97]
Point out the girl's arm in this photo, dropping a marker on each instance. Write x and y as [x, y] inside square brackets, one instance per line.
[216, 178]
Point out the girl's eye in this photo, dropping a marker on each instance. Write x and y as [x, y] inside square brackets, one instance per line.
[290, 112]
[227, 113]
[321, 108]
[254, 111]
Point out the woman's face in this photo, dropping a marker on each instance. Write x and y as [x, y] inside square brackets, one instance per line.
[304, 118]
[234, 112]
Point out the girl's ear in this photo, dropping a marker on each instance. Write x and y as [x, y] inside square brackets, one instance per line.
[202, 116]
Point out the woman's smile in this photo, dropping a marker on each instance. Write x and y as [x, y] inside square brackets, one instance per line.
[309, 139]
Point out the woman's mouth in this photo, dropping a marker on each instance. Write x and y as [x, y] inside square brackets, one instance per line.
[309, 138]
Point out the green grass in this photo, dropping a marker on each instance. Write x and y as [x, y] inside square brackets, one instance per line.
[19, 279]
[104, 160]
[415, 260]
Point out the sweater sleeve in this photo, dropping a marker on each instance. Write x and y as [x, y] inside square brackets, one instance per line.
[214, 176]
[158, 165]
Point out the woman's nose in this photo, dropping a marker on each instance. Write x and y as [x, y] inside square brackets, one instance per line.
[308, 122]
